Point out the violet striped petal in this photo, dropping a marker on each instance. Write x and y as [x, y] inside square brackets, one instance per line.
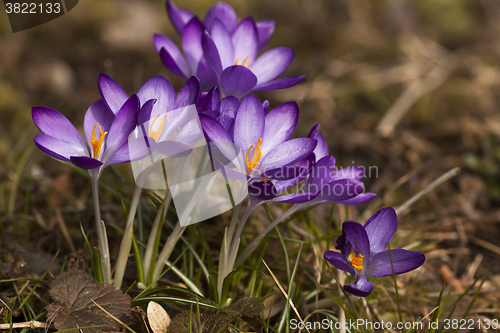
[295, 198]
[307, 163]
[249, 122]
[144, 116]
[56, 148]
[283, 173]
[320, 174]
[191, 43]
[338, 260]
[222, 39]
[159, 88]
[237, 81]
[265, 30]
[362, 287]
[112, 93]
[352, 172]
[245, 40]
[321, 149]
[97, 113]
[357, 200]
[340, 190]
[53, 123]
[211, 52]
[283, 83]
[357, 239]
[124, 123]
[178, 16]
[381, 228]
[174, 66]
[288, 152]
[272, 64]
[133, 150]
[223, 12]
[207, 75]
[279, 125]
[402, 260]
[189, 93]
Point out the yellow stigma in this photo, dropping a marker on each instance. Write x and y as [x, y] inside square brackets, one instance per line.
[244, 61]
[156, 134]
[356, 261]
[257, 153]
[97, 144]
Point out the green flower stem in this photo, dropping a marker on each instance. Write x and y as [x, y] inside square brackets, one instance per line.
[256, 242]
[126, 244]
[167, 251]
[101, 230]
[234, 221]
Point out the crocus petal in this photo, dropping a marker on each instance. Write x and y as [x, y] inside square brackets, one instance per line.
[144, 116]
[222, 38]
[352, 172]
[263, 190]
[245, 40]
[272, 63]
[209, 101]
[56, 148]
[265, 30]
[279, 125]
[320, 174]
[191, 132]
[158, 88]
[174, 66]
[122, 126]
[402, 260]
[283, 83]
[178, 16]
[288, 152]
[265, 105]
[358, 200]
[380, 229]
[338, 260]
[223, 12]
[362, 287]
[321, 149]
[112, 93]
[237, 80]
[307, 163]
[357, 239]
[189, 93]
[133, 150]
[340, 190]
[97, 113]
[226, 119]
[85, 162]
[175, 57]
[53, 123]
[249, 122]
[295, 198]
[218, 136]
[211, 52]
[191, 43]
[229, 102]
[283, 173]
[206, 74]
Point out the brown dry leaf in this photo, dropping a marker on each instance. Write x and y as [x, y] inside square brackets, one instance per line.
[74, 293]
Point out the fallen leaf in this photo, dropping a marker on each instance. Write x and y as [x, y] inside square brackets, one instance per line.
[158, 318]
[74, 293]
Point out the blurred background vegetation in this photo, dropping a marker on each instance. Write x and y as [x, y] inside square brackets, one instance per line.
[409, 87]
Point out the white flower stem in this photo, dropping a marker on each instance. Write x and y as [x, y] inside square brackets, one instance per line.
[101, 232]
[126, 244]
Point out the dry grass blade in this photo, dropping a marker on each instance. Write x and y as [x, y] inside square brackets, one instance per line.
[450, 174]
[114, 318]
[28, 324]
[283, 291]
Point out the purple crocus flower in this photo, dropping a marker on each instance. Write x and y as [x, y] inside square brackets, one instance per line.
[106, 133]
[323, 182]
[264, 142]
[362, 252]
[222, 52]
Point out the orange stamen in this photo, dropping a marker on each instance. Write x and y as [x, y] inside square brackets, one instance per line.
[255, 157]
[97, 144]
[156, 134]
[356, 261]
[244, 61]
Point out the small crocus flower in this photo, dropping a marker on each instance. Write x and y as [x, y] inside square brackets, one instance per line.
[362, 252]
[263, 140]
[105, 131]
[222, 52]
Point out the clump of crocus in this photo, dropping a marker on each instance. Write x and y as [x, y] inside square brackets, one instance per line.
[362, 252]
